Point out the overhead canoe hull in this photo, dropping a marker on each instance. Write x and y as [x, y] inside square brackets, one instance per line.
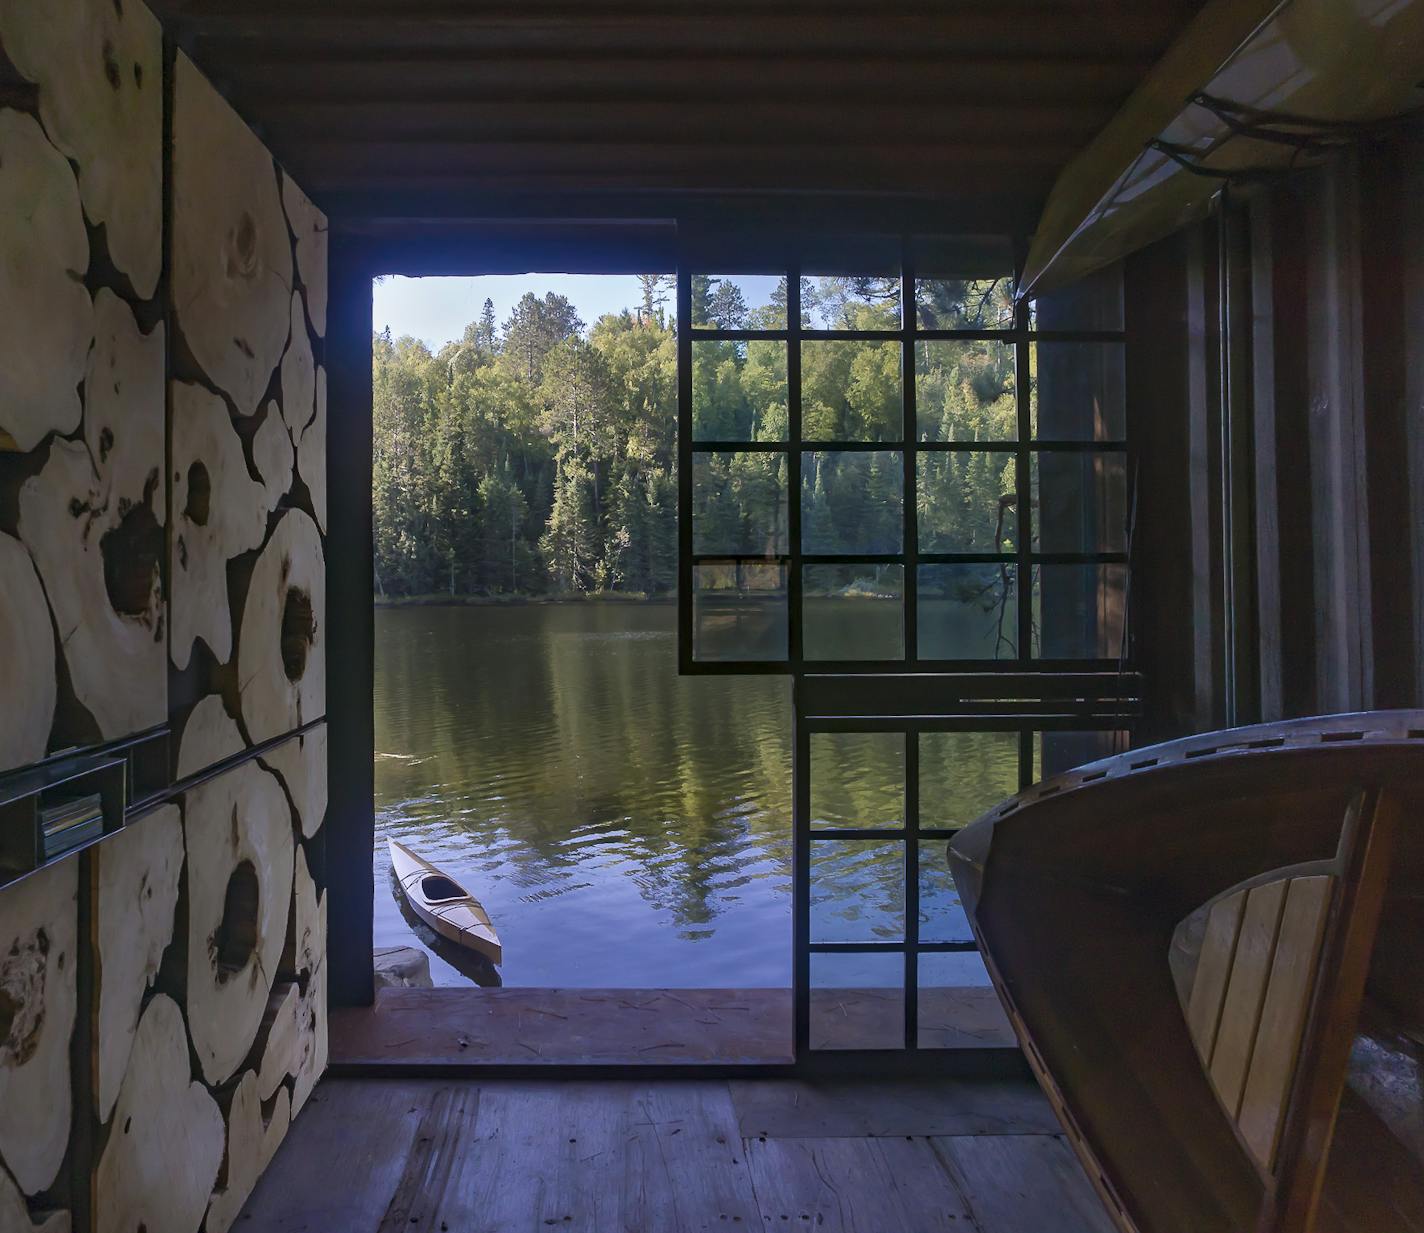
[1089, 896]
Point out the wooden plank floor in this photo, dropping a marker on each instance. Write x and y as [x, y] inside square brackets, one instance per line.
[513, 1156]
[625, 1026]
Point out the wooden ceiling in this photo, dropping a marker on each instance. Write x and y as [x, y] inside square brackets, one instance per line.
[391, 108]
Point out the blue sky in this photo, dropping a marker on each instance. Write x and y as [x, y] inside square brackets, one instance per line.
[435, 310]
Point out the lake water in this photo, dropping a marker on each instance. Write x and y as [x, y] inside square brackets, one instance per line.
[623, 825]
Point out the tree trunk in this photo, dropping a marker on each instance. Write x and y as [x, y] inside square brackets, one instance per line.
[93, 521]
[310, 227]
[39, 920]
[166, 1138]
[219, 512]
[252, 1141]
[298, 373]
[281, 653]
[306, 959]
[27, 669]
[301, 766]
[135, 886]
[273, 456]
[44, 254]
[311, 453]
[277, 1038]
[239, 887]
[232, 253]
[209, 736]
[99, 68]
[15, 1217]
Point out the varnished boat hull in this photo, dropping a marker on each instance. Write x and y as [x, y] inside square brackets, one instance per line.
[1089, 896]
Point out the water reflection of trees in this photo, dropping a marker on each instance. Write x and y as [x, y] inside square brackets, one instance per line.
[562, 737]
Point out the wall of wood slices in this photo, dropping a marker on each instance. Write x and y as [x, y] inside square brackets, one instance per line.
[162, 517]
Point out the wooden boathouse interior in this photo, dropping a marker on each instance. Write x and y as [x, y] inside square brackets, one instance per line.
[1203, 912]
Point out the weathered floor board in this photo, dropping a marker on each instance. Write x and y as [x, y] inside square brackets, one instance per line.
[873, 1108]
[508, 1156]
[844, 1185]
[1015, 1183]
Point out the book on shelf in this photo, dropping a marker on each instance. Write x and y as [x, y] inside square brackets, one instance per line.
[71, 821]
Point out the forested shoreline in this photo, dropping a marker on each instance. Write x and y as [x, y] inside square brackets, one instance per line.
[536, 458]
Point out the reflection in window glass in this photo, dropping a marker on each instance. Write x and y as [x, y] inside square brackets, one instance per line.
[1079, 502]
[851, 283]
[953, 991]
[851, 391]
[739, 504]
[852, 501]
[942, 918]
[739, 301]
[1078, 611]
[968, 612]
[857, 890]
[965, 304]
[963, 282]
[853, 612]
[739, 391]
[967, 501]
[1091, 303]
[1078, 391]
[963, 774]
[965, 391]
[739, 611]
[857, 779]
[1056, 752]
[857, 1001]
[844, 303]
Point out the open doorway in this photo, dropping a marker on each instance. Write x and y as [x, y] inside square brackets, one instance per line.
[624, 828]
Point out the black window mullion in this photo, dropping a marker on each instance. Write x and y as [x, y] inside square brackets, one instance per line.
[1022, 485]
[684, 476]
[912, 888]
[793, 462]
[800, 875]
[910, 583]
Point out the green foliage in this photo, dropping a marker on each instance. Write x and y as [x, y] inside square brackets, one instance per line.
[532, 458]
[540, 457]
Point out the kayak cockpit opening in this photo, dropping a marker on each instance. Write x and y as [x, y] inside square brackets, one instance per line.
[436, 886]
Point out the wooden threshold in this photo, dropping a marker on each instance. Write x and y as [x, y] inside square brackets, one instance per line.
[632, 1027]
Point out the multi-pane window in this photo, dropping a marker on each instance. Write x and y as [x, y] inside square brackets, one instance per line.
[892, 463]
[894, 473]
[889, 958]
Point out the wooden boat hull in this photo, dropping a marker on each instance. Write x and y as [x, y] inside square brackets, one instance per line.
[443, 904]
[1181, 936]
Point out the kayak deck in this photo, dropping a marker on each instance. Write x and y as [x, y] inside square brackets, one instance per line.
[445, 905]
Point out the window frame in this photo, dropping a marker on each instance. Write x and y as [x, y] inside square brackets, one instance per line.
[1022, 336]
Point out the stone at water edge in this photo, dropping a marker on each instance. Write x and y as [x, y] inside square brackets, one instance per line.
[402, 967]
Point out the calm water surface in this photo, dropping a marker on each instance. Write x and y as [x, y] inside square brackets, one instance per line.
[625, 826]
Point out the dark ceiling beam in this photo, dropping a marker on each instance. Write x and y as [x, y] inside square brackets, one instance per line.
[931, 81]
[453, 157]
[769, 32]
[891, 124]
[383, 210]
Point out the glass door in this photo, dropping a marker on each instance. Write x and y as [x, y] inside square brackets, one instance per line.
[911, 493]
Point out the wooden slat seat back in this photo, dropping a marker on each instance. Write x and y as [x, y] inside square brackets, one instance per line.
[1246, 998]
[1181, 936]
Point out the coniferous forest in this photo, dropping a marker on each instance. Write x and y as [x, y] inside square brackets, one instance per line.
[537, 456]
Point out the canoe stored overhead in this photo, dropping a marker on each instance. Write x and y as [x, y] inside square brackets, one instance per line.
[1212, 953]
[443, 904]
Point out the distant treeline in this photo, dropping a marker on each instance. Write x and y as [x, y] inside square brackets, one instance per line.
[539, 456]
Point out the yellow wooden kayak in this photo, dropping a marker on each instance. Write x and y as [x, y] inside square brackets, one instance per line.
[443, 904]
